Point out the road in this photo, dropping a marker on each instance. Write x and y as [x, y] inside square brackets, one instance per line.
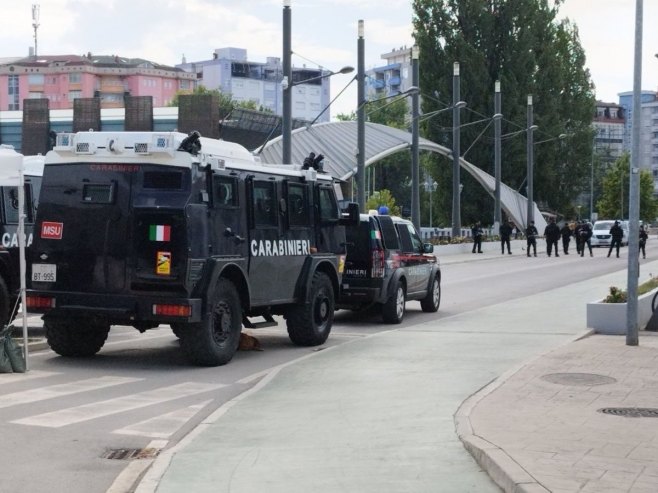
[59, 421]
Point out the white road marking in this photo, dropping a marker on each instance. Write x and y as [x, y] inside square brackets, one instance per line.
[53, 391]
[165, 425]
[21, 377]
[86, 412]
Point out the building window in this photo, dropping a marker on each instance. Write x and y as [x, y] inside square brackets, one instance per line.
[74, 95]
[75, 78]
[35, 95]
[13, 93]
[184, 84]
[35, 79]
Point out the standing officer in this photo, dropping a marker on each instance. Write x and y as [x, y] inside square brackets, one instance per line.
[477, 233]
[643, 241]
[585, 237]
[577, 237]
[566, 237]
[552, 235]
[531, 234]
[505, 232]
[617, 235]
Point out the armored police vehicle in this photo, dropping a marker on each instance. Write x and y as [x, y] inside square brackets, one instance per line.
[144, 229]
[9, 253]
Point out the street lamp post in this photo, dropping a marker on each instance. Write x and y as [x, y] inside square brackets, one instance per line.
[456, 151]
[286, 114]
[530, 164]
[497, 170]
[415, 166]
[361, 121]
[430, 186]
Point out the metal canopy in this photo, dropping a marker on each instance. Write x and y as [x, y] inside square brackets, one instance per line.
[337, 142]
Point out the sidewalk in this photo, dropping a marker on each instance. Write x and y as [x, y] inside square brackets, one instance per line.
[359, 418]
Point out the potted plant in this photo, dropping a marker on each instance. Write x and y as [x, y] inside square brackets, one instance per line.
[608, 316]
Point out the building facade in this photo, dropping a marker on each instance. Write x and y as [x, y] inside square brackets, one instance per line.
[392, 78]
[63, 78]
[230, 71]
[609, 122]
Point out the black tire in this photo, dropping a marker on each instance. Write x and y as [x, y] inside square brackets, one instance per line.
[214, 340]
[75, 337]
[5, 304]
[310, 324]
[394, 308]
[431, 302]
[178, 329]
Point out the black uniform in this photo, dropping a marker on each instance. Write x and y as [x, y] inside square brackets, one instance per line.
[617, 235]
[531, 234]
[552, 234]
[585, 234]
[643, 241]
[566, 234]
[577, 237]
[477, 233]
[505, 232]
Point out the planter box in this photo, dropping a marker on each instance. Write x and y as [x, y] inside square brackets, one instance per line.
[610, 318]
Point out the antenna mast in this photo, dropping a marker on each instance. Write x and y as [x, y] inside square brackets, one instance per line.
[35, 24]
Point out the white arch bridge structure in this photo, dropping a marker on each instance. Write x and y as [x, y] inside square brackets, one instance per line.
[337, 142]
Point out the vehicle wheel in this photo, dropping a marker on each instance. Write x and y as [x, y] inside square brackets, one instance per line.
[432, 301]
[309, 324]
[178, 329]
[393, 309]
[76, 337]
[5, 304]
[214, 340]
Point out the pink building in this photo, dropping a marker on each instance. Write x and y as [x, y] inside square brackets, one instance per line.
[63, 78]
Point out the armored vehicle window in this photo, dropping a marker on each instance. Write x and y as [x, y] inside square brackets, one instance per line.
[297, 205]
[98, 193]
[10, 204]
[168, 180]
[264, 204]
[225, 191]
[405, 239]
[328, 205]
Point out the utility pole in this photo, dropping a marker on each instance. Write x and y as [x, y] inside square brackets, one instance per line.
[361, 121]
[286, 85]
[497, 171]
[415, 166]
[530, 214]
[456, 151]
[35, 24]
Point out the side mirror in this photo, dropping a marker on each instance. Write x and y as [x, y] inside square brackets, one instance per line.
[428, 248]
[350, 215]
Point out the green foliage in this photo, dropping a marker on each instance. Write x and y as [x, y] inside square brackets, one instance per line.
[226, 104]
[522, 44]
[615, 188]
[383, 197]
[618, 295]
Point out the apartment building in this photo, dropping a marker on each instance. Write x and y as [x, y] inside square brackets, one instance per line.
[392, 78]
[230, 71]
[63, 78]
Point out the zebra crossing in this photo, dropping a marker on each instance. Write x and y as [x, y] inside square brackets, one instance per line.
[160, 426]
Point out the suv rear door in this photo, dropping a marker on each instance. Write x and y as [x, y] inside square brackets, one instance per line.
[412, 257]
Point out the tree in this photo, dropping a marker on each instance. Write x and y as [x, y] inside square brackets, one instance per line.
[382, 198]
[521, 44]
[614, 196]
[226, 103]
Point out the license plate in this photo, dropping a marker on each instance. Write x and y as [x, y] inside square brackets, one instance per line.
[44, 272]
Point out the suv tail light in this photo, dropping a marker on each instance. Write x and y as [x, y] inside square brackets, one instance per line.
[377, 263]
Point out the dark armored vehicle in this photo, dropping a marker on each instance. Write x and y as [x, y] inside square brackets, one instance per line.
[388, 264]
[152, 228]
[9, 249]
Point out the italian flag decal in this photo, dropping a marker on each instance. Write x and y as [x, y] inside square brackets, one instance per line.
[159, 232]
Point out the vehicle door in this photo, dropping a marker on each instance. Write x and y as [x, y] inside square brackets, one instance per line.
[417, 264]
[228, 217]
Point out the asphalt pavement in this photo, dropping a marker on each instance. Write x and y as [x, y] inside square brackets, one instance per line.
[569, 412]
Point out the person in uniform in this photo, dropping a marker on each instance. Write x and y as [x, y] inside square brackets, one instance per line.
[531, 234]
[585, 233]
[505, 232]
[552, 235]
[617, 234]
[643, 241]
[577, 237]
[566, 234]
[477, 233]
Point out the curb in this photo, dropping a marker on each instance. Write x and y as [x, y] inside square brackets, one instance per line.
[501, 468]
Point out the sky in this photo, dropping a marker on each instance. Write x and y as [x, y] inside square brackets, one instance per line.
[324, 34]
